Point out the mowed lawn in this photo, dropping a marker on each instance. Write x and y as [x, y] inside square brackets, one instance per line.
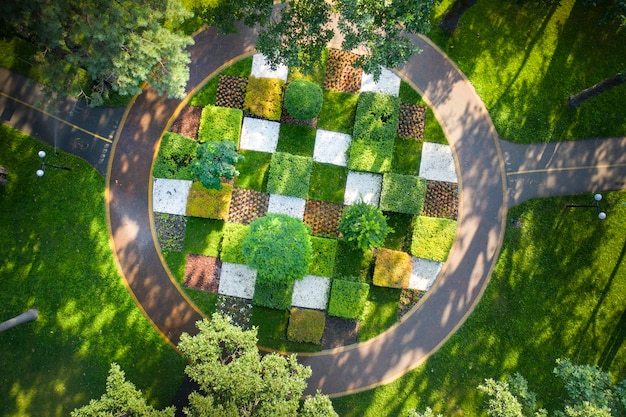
[56, 257]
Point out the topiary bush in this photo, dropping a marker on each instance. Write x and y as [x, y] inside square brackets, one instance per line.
[272, 294]
[220, 123]
[289, 175]
[279, 248]
[214, 161]
[347, 299]
[306, 326]
[392, 268]
[364, 226]
[303, 99]
[402, 193]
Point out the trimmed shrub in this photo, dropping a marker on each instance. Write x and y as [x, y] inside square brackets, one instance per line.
[306, 325]
[392, 268]
[232, 243]
[264, 97]
[402, 193]
[289, 175]
[364, 226]
[278, 247]
[272, 294]
[176, 153]
[220, 123]
[323, 261]
[303, 99]
[347, 299]
[433, 238]
[209, 203]
[370, 156]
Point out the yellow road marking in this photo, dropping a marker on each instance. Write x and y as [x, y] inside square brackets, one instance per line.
[95, 135]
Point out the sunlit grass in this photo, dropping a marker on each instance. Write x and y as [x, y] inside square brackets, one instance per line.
[57, 258]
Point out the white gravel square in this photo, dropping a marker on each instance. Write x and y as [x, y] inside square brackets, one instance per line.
[331, 147]
[291, 206]
[237, 280]
[170, 196]
[260, 68]
[438, 163]
[388, 83]
[424, 273]
[364, 186]
[259, 135]
[311, 292]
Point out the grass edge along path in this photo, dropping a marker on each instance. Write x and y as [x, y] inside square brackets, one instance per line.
[557, 291]
[57, 258]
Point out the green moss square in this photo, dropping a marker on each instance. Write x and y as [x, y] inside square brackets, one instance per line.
[323, 261]
[272, 294]
[176, 262]
[402, 193]
[328, 183]
[370, 156]
[289, 175]
[296, 140]
[392, 269]
[338, 112]
[264, 97]
[232, 243]
[207, 203]
[203, 236]
[347, 299]
[220, 123]
[253, 170]
[306, 325]
[407, 155]
[352, 262]
[433, 238]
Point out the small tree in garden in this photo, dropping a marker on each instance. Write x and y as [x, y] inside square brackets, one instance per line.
[303, 99]
[364, 226]
[278, 247]
[215, 160]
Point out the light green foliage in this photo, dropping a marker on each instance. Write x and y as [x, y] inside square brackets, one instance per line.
[585, 383]
[264, 97]
[220, 123]
[318, 405]
[428, 412]
[121, 398]
[278, 247]
[209, 203]
[203, 236]
[214, 161]
[402, 193]
[347, 299]
[289, 175]
[235, 380]
[176, 153]
[323, 260]
[232, 243]
[253, 170]
[272, 294]
[364, 226]
[120, 44]
[303, 99]
[433, 238]
[392, 269]
[306, 325]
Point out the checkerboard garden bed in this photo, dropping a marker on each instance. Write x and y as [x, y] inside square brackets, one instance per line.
[310, 170]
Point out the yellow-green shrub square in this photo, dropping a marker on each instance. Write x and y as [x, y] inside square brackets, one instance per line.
[392, 268]
[210, 204]
[306, 325]
[432, 238]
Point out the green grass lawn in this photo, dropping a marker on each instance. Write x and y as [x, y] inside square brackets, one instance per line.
[526, 61]
[56, 257]
[558, 290]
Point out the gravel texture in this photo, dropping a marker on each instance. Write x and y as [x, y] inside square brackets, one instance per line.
[388, 83]
[363, 186]
[170, 196]
[424, 273]
[260, 68]
[291, 206]
[237, 281]
[331, 147]
[437, 163]
[311, 292]
[259, 135]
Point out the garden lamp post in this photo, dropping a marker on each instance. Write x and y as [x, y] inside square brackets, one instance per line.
[596, 203]
[41, 171]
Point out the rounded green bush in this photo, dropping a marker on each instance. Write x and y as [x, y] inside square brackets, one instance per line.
[303, 99]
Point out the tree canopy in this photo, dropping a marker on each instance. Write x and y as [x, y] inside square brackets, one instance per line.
[214, 161]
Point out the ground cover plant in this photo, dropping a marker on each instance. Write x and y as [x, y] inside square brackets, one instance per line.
[253, 170]
[432, 238]
[402, 193]
[347, 299]
[264, 97]
[176, 153]
[220, 123]
[209, 203]
[338, 111]
[555, 292]
[296, 140]
[86, 315]
[306, 325]
[289, 175]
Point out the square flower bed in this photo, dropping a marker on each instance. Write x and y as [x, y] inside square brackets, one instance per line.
[203, 236]
[311, 292]
[220, 123]
[323, 217]
[340, 74]
[260, 68]
[438, 163]
[231, 91]
[331, 147]
[202, 272]
[392, 269]
[347, 299]
[388, 83]
[259, 135]
[175, 154]
[328, 182]
[170, 196]
[323, 261]
[170, 230]
[237, 280]
[264, 98]
[232, 243]
[442, 200]
[363, 186]
[291, 206]
[209, 203]
[411, 121]
[424, 273]
[289, 175]
[433, 238]
[338, 111]
[247, 205]
[188, 122]
[253, 170]
[306, 326]
[402, 193]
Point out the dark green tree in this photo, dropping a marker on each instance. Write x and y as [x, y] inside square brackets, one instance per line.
[364, 226]
[215, 160]
[119, 43]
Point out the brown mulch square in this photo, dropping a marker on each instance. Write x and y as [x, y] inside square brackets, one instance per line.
[247, 205]
[339, 332]
[442, 200]
[411, 121]
[231, 91]
[188, 122]
[340, 74]
[323, 217]
[202, 272]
